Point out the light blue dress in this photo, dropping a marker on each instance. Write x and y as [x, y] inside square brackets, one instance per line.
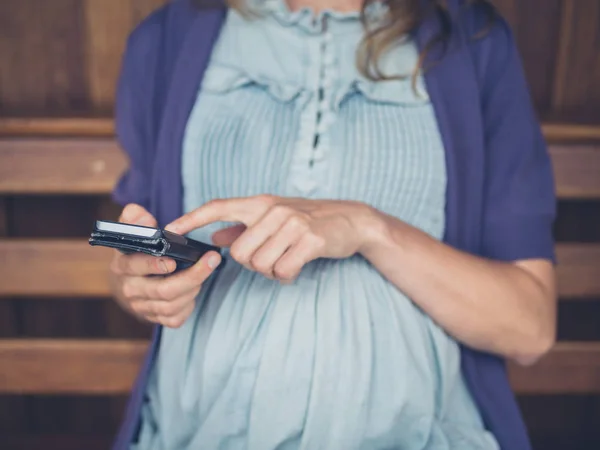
[341, 359]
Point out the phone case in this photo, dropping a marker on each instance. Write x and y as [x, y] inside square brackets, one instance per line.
[152, 241]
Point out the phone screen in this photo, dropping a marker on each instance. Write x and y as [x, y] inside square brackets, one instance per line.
[134, 230]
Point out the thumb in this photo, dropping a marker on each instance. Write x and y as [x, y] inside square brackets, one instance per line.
[137, 215]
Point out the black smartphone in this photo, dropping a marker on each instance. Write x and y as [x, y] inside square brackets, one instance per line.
[152, 241]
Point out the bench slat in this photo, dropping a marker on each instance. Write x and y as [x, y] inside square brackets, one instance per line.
[576, 171]
[93, 165]
[107, 367]
[55, 366]
[52, 267]
[104, 126]
[570, 132]
[72, 268]
[57, 126]
[570, 368]
[60, 166]
[578, 270]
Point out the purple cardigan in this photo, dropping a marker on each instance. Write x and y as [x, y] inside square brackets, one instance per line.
[500, 196]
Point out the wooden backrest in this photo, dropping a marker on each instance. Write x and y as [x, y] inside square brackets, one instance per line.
[80, 156]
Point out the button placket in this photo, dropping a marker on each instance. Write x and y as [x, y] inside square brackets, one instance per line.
[310, 154]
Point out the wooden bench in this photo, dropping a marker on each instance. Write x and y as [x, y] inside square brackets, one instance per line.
[80, 156]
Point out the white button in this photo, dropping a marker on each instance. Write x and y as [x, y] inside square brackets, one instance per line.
[322, 128]
[318, 154]
[325, 124]
[327, 82]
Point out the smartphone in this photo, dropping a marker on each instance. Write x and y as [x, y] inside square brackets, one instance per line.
[151, 241]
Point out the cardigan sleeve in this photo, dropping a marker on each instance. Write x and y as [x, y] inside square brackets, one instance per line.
[133, 111]
[519, 195]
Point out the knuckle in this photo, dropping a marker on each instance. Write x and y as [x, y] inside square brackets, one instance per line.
[164, 291]
[281, 210]
[261, 265]
[173, 322]
[137, 308]
[284, 273]
[237, 254]
[166, 309]
[128, 290]
[298, 222]
[316, 241]
[152, 309]
[267, 201]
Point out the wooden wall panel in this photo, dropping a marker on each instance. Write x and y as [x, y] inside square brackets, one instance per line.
[577, 87]
[41, 56]
[62, 57]
[107, 25]
[108, 22]
[537, 41]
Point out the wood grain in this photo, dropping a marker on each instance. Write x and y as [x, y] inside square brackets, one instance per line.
[93, 164]
[572, 367]
[537, 41]
[82, 166]
[576, 171]
[107, 24]
[100, 367]
[42, 57]
[59, 268]
[64, 56]
[69, 366]
[578, 270]
[562, 59]
[56, 127]
[576, 88]
[72, 268]
[571, 132]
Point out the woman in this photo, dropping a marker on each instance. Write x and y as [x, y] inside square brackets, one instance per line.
[380, 180]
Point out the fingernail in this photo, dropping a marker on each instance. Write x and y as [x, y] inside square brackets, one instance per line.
[213, 261]
[145, 220]
[163, 266]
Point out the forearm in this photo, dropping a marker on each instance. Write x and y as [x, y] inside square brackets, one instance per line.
[492, 306]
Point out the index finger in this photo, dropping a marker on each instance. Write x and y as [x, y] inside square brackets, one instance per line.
[244, 210]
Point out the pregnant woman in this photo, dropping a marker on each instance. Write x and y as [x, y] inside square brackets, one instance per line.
[377, 177]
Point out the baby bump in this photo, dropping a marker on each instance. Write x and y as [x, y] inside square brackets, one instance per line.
[336, 358]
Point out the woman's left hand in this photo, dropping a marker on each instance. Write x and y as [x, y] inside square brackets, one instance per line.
[277, 236]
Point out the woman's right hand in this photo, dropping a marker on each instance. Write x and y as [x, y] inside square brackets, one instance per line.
[167, 300]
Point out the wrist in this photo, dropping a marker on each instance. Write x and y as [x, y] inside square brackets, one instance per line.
[374, 230]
